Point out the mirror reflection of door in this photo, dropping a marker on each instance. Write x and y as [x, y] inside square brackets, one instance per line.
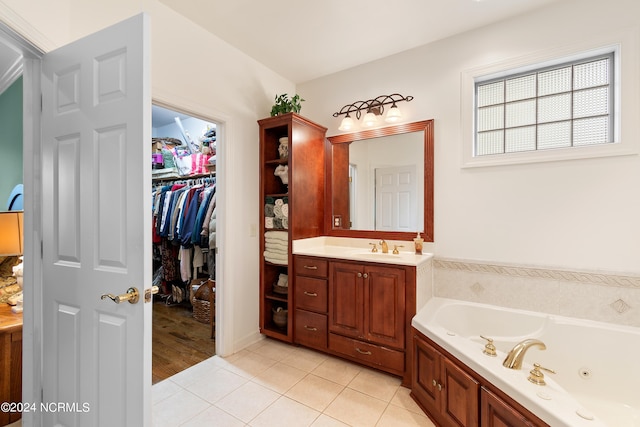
[396, 206]
[353, 203]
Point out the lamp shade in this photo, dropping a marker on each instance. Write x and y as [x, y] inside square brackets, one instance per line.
[11, 239]
[369, 120]
[347, 123]
[393, 115]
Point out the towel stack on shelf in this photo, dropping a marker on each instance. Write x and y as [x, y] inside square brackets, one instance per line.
[276, 247]
[276, 213]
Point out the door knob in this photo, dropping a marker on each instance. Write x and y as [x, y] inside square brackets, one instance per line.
[132, 296]
[151, 291]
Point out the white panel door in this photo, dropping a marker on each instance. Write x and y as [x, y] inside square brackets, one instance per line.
[396, 208]
[96, 177]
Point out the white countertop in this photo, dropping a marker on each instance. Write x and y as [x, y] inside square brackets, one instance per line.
[358, 250]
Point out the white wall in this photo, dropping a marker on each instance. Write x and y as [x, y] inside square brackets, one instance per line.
[575, 214]
[196, 72]
[579, 214]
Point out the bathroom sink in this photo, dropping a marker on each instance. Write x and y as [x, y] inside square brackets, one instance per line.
[390, 258]
[377, 255]
[357, 250]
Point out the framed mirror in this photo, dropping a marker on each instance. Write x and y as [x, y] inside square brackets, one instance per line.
[380, 183]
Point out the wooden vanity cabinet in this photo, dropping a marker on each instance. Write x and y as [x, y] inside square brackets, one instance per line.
[311, 301]
[367, 302]
[454, 395]
[368, 314]
[356, 310]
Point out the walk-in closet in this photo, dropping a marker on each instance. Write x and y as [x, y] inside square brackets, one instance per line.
[184, 240]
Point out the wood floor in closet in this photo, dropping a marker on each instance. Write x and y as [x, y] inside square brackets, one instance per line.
[179, 341]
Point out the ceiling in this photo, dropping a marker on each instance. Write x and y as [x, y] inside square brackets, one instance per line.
[304, 40]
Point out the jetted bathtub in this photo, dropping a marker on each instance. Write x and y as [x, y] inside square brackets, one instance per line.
[597, 365]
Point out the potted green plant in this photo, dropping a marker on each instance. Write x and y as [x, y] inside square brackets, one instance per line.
[284, 105]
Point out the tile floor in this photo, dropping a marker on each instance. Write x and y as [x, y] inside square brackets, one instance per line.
[275, 384]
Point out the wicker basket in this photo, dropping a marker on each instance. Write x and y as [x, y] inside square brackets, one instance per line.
[202, 310]
[202, 299]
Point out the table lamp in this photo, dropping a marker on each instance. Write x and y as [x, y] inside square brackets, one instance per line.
[11, 244]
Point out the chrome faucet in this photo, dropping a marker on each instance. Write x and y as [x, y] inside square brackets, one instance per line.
[516, 355]
[385, 247]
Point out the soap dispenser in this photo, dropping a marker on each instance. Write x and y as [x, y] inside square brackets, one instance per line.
[418, 241]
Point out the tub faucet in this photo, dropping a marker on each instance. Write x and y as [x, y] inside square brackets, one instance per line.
[516, 355]
[385, 247]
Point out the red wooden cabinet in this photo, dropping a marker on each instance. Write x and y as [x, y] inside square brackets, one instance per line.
[302, 190]
[454, 395]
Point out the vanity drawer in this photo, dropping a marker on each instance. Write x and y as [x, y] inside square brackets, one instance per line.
[311, 329]
[369, 354]
[311, 294]
[314, 267]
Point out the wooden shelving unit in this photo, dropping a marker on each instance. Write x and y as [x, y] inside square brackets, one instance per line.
[305, 196]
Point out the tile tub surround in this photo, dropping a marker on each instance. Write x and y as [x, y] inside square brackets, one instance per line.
[605, 297]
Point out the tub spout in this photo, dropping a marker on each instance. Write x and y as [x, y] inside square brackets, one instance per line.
[516, 355]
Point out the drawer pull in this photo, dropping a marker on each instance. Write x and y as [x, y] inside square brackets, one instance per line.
[310, 294]
[311, 267]
[366, 353]
[310, 328]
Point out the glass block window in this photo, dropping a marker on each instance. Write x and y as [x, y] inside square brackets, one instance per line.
[567, 105]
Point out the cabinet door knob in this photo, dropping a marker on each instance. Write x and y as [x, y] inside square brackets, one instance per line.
[310, 294]
[359, 274]
[439, 387]
[434, 382]
[365, 275]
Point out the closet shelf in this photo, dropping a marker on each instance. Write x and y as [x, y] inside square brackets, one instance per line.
[186, 177]
[277, 162]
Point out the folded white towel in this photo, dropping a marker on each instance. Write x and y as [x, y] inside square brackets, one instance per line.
[278, 241]
[279, 202]
[285, 210]
[280, 235]
[276, 259]
[278, 246]
[276, 251]
[268, 222]
[277, 211]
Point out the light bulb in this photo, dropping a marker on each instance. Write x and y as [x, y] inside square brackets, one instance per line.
[369, 120]
[393, 115]
[347, 123]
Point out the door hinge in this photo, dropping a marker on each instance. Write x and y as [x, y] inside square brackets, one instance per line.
[41, 249]
[41, 103]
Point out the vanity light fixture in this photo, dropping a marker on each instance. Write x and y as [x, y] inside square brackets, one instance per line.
[373, 108]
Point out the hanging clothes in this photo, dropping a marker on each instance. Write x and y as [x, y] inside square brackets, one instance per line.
[182, 212]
